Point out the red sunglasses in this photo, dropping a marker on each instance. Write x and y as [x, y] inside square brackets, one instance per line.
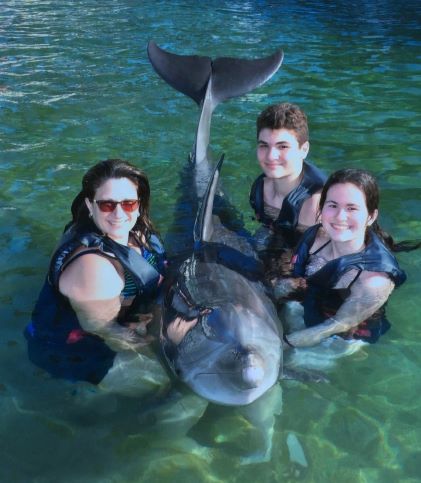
[107, 206]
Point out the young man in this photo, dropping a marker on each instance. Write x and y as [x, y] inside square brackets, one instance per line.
[286, 195]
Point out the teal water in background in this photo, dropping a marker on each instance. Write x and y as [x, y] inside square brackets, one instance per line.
[76, 87]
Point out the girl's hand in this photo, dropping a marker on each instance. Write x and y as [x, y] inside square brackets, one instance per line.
[282, 287]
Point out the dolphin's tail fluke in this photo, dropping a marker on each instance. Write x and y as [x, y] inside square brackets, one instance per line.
[231, 77]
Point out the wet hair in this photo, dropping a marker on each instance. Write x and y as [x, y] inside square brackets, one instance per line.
[114, 169]
[284, 116]
[367, 184]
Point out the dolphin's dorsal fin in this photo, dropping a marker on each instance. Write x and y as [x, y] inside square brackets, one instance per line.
[203, 227]
[231, 77]
[188, 74]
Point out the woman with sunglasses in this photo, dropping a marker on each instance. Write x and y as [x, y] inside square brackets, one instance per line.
[103, 279]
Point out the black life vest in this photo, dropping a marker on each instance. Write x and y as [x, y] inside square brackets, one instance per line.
[144, 268]
[287, 221]
[322, 300]
[56, 341]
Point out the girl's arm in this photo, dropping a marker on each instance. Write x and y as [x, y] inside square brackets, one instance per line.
[368, 294]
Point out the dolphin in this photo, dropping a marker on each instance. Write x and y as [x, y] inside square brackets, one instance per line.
[220, 332]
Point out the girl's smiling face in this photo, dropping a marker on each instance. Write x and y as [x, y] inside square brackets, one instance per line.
[344, 214]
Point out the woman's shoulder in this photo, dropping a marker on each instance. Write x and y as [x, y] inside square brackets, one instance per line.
[91, 277]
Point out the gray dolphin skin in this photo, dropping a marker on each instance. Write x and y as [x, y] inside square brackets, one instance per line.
[220, 331]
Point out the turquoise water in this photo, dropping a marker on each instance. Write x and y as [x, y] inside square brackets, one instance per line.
[76, 87]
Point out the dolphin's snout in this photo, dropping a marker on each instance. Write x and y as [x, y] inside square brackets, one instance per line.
[253, 372]
[253, 376]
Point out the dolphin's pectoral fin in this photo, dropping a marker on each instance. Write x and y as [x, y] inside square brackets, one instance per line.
[262, 415]
[176, 412]
[303, 376]
[235, 77]
[188, 74]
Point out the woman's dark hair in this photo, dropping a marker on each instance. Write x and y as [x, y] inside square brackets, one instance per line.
[367, 183]
[98, 175]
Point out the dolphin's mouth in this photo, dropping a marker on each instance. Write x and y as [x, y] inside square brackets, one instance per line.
[240, 370]
[245, 380]
[229, 389]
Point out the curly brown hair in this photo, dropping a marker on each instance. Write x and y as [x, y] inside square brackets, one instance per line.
[284, 116]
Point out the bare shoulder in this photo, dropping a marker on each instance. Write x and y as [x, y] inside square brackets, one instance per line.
[90, 277]
[309, 210]
[375, 281]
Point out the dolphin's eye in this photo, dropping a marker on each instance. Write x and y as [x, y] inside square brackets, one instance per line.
[230, 361]
[232, 357]
[237, 354]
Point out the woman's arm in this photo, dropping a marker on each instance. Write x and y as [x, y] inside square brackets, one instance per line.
[368, 294]
[93, 287]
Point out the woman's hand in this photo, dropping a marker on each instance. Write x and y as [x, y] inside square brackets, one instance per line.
[178, 328]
